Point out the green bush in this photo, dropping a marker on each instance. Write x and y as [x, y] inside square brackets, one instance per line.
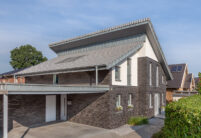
[137, 121]
[158, 134]
[183, 118]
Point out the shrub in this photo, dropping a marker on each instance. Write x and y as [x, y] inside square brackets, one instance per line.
[137, 121]
[183, 118]
[158, 134]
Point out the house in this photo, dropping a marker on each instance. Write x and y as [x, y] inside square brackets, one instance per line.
[99, 79]
[9, 77]
[197, 80]
[183, 81]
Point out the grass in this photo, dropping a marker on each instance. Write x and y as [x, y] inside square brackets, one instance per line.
[137, 121]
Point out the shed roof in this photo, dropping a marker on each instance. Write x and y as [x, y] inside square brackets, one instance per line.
[143, 26]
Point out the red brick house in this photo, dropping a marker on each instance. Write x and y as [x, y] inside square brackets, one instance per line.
[9, 77]
[99, 79]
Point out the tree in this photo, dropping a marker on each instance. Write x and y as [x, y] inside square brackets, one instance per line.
[199, 83]
[25, 56]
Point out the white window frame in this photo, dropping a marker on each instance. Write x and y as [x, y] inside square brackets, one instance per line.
[118, 102]
[162, 98]
[150, 101]
[130, 100]
[150, 74]
[157, 76]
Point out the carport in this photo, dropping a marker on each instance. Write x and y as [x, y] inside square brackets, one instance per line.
[48, 90]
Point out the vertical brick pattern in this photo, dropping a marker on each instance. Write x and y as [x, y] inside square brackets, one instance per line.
[145, 89]
[90, 109]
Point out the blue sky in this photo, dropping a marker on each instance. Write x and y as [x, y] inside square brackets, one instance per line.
[40, 22]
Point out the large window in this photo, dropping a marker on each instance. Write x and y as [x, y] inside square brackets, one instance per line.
[55, 79]
[157, 77]
[129, 71]
[150, 74]
[117, 73]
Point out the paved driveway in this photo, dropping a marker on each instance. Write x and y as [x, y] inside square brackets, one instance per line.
[62, 130]
[75, 130]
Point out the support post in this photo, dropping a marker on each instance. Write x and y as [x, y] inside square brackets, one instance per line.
[96, 75]
[5, 116]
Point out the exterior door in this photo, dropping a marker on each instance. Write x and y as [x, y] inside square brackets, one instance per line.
[156, 104]
[63, 107]
[50, 114]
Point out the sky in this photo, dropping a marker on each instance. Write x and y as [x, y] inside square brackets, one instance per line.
[40, 22]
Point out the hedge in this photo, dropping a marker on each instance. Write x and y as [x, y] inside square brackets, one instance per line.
[183, 118]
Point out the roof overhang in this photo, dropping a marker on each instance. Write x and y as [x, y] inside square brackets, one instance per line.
[73, 70]
[122, 31]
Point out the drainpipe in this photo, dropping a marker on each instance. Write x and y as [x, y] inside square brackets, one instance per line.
[96, 75]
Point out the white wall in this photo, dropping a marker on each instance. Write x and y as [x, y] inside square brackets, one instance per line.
[145, 51]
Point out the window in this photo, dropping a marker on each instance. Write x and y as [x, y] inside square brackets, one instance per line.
[117, 73]
[150, 101]
[176, 68]
[55, 79]
[179, 68]
[130, 100]
[129, 71]
[162, 99]
[118, 102]
[150, 74]
[157, 78]
[163, 80]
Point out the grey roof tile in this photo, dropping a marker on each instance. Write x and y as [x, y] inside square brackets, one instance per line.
[101, 56]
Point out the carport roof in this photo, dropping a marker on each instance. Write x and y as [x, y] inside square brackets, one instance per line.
[43, 89]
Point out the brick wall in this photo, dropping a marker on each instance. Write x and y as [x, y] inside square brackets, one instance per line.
[43, 79]
[90, 109]
[118, 118]
[10, 79]
[27, 110]
[78, 78]
[145, 89]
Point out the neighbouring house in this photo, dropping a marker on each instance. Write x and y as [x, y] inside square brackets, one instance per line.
[9, 77]
[197, 80]
[183, 82]
[99, 79]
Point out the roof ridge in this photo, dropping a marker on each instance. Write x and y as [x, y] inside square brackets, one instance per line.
[99, 32]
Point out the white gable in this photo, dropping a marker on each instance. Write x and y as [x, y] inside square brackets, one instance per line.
[145, 51]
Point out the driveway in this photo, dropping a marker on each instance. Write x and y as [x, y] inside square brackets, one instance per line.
[75, 130]
[62, 130]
